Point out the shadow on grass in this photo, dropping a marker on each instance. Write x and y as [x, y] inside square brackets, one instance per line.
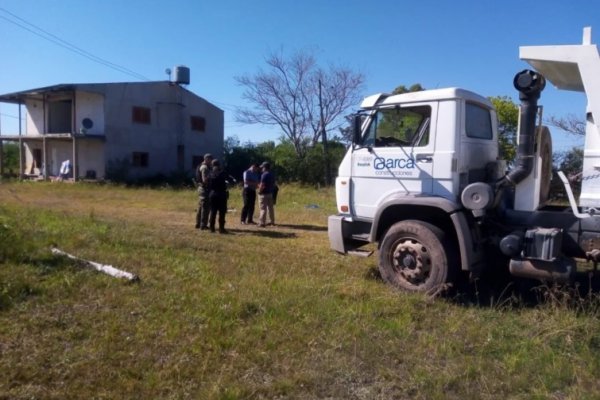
[264, 232]
[16, 292]
[18, 287]
[506, 291]
[254, 228]
[49, 264]
[305, 227]
[502, 290]
[373, 274]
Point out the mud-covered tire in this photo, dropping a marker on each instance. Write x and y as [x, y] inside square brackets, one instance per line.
[415, 256]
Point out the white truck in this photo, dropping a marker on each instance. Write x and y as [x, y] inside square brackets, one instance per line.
[423, 180]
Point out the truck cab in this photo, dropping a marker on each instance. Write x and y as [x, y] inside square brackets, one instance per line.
[423, 180]
[412, 157]
[428, 143]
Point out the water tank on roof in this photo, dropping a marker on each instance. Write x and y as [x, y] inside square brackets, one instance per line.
[181, 75]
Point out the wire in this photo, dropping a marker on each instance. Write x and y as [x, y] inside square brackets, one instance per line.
[69, 46]
[234, 125]
[226, 106]
[11, 116]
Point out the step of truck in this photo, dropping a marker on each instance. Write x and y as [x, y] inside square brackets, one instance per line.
[363, 237]
[360, 253]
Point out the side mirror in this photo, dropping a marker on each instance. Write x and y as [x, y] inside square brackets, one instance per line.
[356, 127]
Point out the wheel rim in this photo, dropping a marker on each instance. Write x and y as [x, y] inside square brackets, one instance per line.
[411, 261]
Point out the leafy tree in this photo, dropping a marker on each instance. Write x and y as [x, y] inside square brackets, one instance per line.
[298, 96]
[230, 143]
[308, 170]
[282, 156]
[571, 162]
[508, 118]
[416, 87]
[238, 159]
[10, 158]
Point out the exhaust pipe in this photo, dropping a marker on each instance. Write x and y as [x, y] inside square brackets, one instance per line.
[530, 85]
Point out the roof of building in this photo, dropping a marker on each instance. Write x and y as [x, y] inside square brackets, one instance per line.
[39, 93]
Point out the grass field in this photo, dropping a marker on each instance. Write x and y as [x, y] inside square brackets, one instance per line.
[257, 314]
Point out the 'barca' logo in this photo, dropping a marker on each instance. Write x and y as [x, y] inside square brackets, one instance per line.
[393, 163]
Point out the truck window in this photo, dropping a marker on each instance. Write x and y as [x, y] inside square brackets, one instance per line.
[399, 127]
[478, 122]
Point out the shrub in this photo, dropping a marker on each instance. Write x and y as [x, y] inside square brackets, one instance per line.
[11, 241]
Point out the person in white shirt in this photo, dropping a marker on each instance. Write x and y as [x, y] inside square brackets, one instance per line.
[251, 181]
[65, 170]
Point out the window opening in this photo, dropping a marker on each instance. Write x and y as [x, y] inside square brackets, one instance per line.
[399, 127]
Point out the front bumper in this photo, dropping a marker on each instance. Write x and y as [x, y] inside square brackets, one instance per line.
[335, 231]
[346, 234]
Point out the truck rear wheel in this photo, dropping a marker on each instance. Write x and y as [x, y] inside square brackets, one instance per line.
[414, 256]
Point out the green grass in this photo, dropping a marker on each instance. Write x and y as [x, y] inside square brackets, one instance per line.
[257, 314]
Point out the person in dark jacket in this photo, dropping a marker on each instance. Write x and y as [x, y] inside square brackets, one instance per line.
[217, 195]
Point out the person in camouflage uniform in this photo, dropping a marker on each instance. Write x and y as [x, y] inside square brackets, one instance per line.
[202, 180]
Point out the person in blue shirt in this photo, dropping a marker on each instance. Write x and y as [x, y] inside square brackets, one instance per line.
[265, 195]
[251, 181]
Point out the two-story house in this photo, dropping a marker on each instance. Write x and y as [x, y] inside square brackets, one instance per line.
[138, 130]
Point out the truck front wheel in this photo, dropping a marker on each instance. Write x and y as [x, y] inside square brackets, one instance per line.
[414, 256]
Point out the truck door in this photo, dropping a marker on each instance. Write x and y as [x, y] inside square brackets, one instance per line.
[396, 156]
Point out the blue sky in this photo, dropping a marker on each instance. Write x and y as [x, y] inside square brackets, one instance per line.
[469, 44]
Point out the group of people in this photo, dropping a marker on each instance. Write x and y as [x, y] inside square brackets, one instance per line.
[212, 181]
[264, 185]
[212, 191]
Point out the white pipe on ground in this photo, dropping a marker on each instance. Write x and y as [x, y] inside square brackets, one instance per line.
[107, 269]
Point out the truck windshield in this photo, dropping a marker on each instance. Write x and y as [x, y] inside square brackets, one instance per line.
[399, 127]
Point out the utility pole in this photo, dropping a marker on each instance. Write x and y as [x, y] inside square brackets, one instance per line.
[324, 135]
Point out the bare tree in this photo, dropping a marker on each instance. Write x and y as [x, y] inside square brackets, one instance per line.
[337, 91]
[340, 90]
[299, 97]
[570, 161]
[571, 124]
